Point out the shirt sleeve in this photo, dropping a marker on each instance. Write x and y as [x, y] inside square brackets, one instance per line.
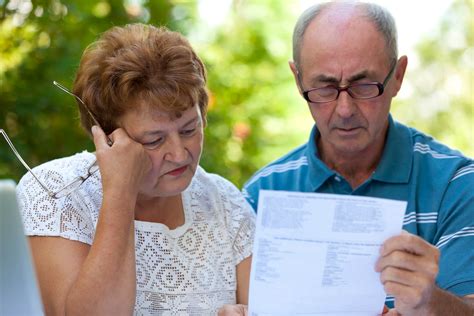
[239, 217]
[250, 193]
[455, 238]
[43, 215]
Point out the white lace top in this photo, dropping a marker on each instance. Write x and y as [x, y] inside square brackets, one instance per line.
[190, 270]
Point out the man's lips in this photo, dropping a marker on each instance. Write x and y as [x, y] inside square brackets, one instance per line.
[347, 130]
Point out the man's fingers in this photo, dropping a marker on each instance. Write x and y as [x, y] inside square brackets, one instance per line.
[407, 261]
[404, 295]
[409, 243]
[407, 278]
[392, 312]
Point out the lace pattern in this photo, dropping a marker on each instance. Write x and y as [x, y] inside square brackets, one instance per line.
[190, 270]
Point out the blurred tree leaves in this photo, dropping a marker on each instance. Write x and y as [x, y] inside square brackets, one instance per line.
[253, 94]
[442, 100]
[255, 114]
[42, 41]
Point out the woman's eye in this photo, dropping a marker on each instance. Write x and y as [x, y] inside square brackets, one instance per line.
[154, 143]
[188, 132]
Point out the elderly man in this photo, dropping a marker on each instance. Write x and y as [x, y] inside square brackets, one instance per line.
[346, 66]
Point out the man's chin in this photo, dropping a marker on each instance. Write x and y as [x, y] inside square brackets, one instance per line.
[349, 147]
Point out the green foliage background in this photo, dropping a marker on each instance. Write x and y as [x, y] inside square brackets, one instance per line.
[255, 112]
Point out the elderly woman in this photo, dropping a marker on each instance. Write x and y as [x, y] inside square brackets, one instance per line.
[152, 232]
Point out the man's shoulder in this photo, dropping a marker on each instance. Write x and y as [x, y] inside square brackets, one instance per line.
[427, 149]
[281, 168]
[281, 174]
[437, 160]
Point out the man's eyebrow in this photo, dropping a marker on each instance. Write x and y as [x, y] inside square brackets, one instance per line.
[333, 80]
[323, 79]
[361, 75]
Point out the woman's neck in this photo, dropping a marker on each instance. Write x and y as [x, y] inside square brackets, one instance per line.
[168, 211]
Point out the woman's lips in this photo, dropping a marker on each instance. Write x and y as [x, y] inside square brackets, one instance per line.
[178, 171]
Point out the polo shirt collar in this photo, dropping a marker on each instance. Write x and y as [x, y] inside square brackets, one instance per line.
[397, 157]
[318, 171]
[394, 166]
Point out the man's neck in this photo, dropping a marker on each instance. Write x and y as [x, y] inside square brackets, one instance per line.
[355, 167]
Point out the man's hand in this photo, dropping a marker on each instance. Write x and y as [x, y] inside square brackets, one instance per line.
[241, 310]
[409, 266]
[233, 310]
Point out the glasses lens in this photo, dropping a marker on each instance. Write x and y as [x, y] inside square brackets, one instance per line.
[93, 168]
[364, 91]
[325, 94]
[68, 188]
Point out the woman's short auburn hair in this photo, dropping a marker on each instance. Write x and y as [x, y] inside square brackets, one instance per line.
[135, 64]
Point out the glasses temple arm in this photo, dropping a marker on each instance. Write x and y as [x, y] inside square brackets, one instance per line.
[60, 86]
[63, 88]
[2, 131]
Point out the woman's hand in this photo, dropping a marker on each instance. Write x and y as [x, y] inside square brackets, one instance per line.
[233, 310]
[123, 164]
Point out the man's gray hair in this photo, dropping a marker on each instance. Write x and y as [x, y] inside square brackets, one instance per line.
[379, 16]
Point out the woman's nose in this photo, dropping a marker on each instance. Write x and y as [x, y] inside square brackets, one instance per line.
[175, 150]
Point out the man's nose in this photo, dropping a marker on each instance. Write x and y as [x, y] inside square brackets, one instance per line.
[345, 105]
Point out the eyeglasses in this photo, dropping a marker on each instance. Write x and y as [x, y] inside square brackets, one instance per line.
[65, 190]
[76, 182]
[356, 91]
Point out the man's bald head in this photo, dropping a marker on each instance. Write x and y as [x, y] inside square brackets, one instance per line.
[380, 17]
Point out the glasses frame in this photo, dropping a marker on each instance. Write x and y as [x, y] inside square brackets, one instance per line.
[63, 191]
[64, 89]
[76, 182]
[380, 86]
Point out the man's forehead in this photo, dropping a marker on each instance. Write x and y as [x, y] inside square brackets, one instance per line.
[344, 38]
[338, 19]
[339, 15]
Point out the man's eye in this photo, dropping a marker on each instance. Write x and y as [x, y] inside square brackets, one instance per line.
[188, 132]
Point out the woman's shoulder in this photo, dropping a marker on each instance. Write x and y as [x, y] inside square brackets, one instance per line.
[55, 173]
[70, 216]
[223, 193]
[67, 165]
[212, 181]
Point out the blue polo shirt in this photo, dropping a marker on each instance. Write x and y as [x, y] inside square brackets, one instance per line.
[436, 181]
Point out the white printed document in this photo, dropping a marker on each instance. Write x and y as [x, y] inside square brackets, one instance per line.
[314, 254]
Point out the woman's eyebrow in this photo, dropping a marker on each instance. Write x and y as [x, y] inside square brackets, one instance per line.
[191, 121]
[160, 132]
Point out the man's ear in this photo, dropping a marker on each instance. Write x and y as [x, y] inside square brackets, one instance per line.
[400, 73]
[294, 70]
